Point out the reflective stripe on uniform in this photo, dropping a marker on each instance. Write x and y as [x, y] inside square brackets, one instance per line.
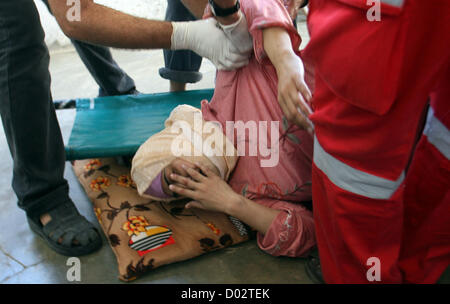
[396, 3]
[438, 134]
[353, 180]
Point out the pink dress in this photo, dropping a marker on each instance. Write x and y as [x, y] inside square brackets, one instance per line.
[249, 95]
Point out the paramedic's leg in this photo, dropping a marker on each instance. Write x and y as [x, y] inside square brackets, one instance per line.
[355, 233]
[27, 111]
[425, 245]
[33, 133]
[181, 67]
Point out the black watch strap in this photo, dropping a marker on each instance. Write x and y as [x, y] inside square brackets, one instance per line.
[224, 12]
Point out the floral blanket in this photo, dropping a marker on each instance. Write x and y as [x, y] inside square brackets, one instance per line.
[144, 233]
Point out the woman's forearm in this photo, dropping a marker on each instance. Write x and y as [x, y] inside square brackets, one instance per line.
[253, 214]
[293, 92]
[277, 45]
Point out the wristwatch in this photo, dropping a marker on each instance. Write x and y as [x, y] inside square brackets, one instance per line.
[224, 12]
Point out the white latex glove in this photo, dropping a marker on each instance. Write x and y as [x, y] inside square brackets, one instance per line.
[239, 35]
[207, 39]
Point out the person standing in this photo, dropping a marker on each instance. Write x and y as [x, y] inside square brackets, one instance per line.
[371, 86]
[182, 66]
[425, 250]
[28, 114]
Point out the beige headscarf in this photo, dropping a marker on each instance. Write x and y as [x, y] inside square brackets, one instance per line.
[186, 136]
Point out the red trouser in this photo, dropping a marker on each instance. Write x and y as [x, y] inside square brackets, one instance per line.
[425, 252]
[371, 86]
[409, 233]
[351, 229]
[426, 236]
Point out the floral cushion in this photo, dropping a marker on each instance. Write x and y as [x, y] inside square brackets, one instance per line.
[143, 233]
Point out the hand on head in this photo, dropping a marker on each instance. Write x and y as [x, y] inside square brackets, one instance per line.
[206, 188]
[177, 166]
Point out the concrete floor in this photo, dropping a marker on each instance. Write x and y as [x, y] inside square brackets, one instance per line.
[24, 258]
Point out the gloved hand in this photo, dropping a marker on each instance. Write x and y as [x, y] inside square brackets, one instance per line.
[205, 38]
[238, 34]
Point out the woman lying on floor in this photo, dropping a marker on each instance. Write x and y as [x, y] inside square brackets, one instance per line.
[265, 189]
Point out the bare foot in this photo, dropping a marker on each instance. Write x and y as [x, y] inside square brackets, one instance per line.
[45, 219]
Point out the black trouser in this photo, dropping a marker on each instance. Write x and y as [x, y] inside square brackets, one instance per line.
[180, 66]
[111, 79]
[27, 111]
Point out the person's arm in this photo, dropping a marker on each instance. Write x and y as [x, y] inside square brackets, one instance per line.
[228, 19]
[257, 216]
[105, 26]
[197, 8]
[234, 26]
[293, 93]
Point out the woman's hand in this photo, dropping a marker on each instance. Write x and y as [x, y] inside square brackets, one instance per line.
[208, 190]
[293, 93]
[177, 166]
[293, 6]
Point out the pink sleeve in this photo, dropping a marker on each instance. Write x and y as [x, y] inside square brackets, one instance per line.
[291, 232]
[261, 14]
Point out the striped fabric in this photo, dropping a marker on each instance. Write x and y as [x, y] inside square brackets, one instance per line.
[438, 134]
[353, 180]
[151, 242]
[239, 225]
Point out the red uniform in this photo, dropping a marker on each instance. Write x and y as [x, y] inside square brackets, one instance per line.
[372, 83]
[425, 251]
